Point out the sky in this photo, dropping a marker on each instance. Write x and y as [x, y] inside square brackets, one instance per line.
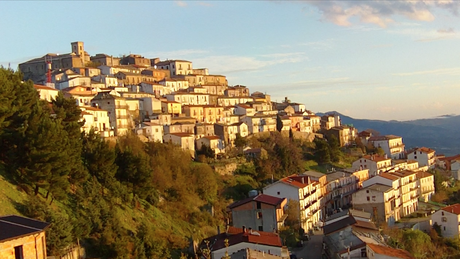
[386, 59]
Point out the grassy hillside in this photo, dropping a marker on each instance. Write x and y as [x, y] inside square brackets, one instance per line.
[11, 196]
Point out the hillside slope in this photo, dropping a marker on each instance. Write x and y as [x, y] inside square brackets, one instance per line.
[440, 134]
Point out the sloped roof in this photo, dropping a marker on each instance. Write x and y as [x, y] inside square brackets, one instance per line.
[453, 209]
[338, 225]
[236, 236]
[263, 198]
[389, 251]
[386, 137]
[17, 226]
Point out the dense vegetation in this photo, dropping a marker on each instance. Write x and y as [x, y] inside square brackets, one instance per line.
[125, 198]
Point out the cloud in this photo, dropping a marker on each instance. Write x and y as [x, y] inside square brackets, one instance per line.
[226, 64]
[454, 71]
[381, 12]
[180, 3]
[449, 30]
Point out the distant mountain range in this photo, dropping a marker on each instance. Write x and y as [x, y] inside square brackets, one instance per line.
[441, 133]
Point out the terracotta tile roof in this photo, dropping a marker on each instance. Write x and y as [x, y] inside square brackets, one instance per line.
[296, 180]
[422, 149]
[44, 87]
[263, 198]
[376, 158]
[389, 176]
[453, 209]
[15, 226]
[386, 137]
[236, 236]
[364, 134]
[93, 109]
[389, 251]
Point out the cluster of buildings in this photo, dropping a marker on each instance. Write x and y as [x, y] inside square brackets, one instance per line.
[169, 100]
[348, 204]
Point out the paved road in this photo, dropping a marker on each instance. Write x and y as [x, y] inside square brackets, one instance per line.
[312, 249]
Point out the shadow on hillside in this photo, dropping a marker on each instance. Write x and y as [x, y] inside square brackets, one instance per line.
[21, 208]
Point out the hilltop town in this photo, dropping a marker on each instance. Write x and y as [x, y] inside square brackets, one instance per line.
[337, 214]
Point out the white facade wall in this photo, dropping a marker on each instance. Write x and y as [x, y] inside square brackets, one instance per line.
[448, 221]
[218, 254]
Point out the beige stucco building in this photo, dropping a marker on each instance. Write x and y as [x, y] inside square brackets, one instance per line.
[120, 121]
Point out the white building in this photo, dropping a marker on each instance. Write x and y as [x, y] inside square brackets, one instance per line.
[448, 219]
[391, 144]
[424, 156]
[301, 189]
[375, 163]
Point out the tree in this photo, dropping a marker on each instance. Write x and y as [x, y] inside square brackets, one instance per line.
[206, 151]
[240, 142]
[99, 159]
[322, 151]
[279, 123]
[334, 148]
[69, 114]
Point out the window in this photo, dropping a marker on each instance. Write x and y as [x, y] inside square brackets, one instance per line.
[444, 219]
[368, 199]
[442, 213]
[259, 215]
[259, 205]
[18, 253]
[261, 228]
[363, 253]
[373, 198]
[278, 193]
[444, 228]
[367, 191]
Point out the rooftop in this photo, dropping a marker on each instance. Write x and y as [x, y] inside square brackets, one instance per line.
[237, 235]
[453, 209]
[389, 251]
[17, 226]
[263, 198]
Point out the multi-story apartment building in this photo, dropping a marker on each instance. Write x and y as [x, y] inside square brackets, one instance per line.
[301, 189]
[261, 212]
[185, 98]
[134, 59]
[46, 93]
[105, 60]
[176, 67]
[82, 94]
[374, 163]
[424, 156]
[344, 134]
[228, 132]
[391, 144]
[406, 189]
[425, 183]
[97, 120]
[340, 187]
[382, 201]
[329, 121]
[116, 105]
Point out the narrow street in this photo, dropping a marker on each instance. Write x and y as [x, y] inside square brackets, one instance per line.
[312, 249]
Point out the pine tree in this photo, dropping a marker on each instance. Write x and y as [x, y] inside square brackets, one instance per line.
[67, 111]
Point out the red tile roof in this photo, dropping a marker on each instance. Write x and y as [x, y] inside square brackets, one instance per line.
[389, 251]
[263, 198]
[453, 209]
[389, 176]
[236, 236]
[296, 180]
